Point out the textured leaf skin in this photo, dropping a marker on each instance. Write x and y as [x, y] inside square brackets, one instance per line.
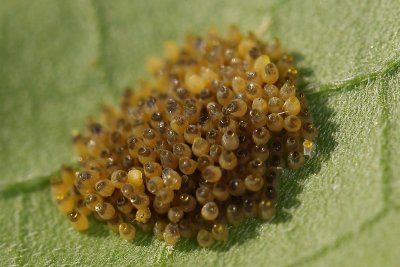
[59, 60]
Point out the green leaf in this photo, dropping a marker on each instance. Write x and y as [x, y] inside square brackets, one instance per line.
[61, 59]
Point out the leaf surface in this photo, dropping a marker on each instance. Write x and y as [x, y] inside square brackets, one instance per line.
[61, 59]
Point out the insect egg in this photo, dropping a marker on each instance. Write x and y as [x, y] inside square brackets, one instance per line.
[212, 174]
[135, 178]
[250, 208]
[200, 146]
[287, 90]
[260, 64]
[295, 159]
[253, 183]
[292, 123]
[257, 118]
[204, 238]
[292, 143]
[187, 165]
[152, 169]
[253, 91]
[150, 137]
[123, 205]
[127, 190]
[230, 140]
[146, 154]
[105, 210]
[260, 104]
[237, 108]
[220, 232]
[127, 231]
[81, 207]
[158, 229]
[191, 133]
[234, 214]
[140, 200]
[209, 211]
[104, 188]
[261, 136]
[79, 221]
[65, 204]
[182, 150]
[236, 187]
[203, 195]
[228, 160]
[308, 131]
[161, 207]
[58, 187]
[270, 73]
[275, 104]
[204, 161]
[185, 228]
[171, 234]
[114, 223]
[238, 84]
[165, 195]
[91, 200]
[275, 122]
[187, 202]
[220, 191]
[143, 215]
[155, 184]
[175, 214]
[267, 210]
[171, 178]
[291, 106]
[179, 124]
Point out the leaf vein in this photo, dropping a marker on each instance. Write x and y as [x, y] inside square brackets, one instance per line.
[352, 83]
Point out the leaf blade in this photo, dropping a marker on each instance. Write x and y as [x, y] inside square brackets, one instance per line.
[339, 204]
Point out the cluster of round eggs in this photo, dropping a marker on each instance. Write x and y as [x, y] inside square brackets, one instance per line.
[201, 147]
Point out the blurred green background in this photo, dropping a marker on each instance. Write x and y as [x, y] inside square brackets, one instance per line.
[59, 60]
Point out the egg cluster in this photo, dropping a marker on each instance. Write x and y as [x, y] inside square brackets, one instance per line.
[201, 147]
